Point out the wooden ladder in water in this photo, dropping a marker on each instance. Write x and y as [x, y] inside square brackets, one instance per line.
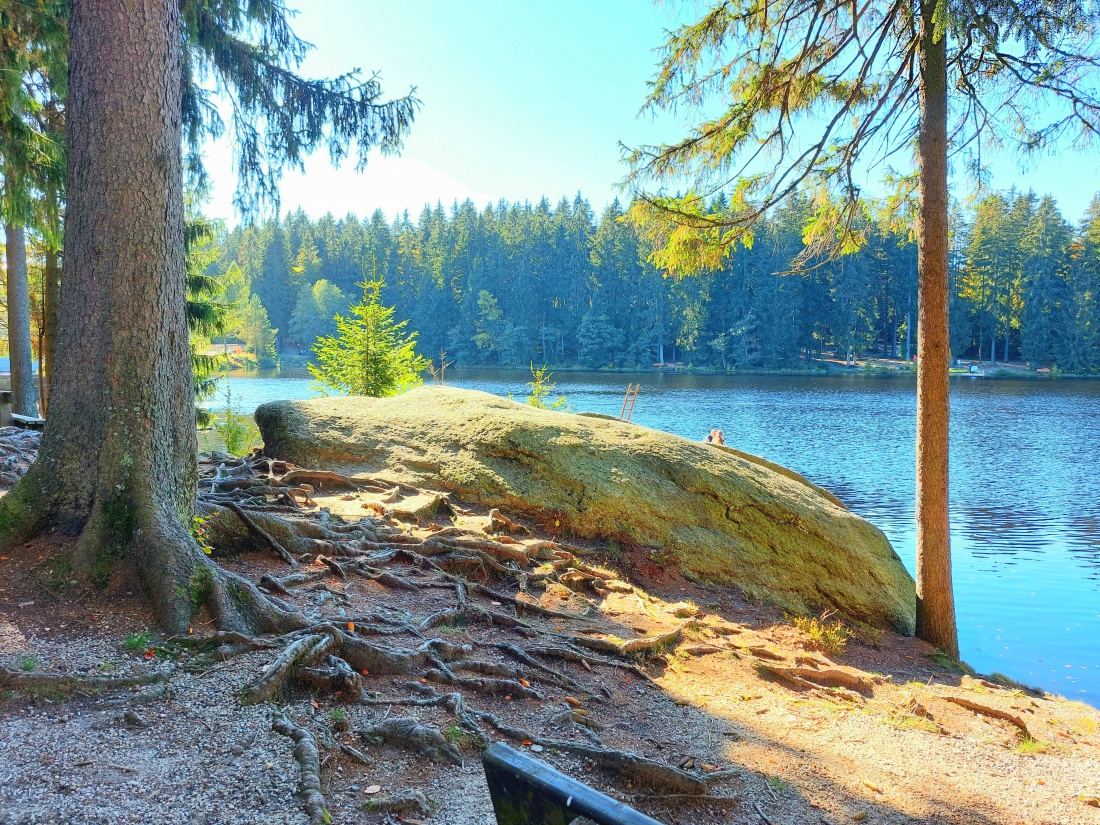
[628, 402]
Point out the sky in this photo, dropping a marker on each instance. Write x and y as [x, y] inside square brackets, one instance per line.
[521, 99]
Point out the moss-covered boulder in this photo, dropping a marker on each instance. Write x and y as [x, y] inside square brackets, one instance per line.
[715, 513]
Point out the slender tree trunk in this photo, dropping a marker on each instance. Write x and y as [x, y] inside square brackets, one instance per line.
[23, 389]
[935, 597]
[51, 295]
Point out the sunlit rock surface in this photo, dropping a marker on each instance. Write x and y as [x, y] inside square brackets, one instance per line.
[715, 514]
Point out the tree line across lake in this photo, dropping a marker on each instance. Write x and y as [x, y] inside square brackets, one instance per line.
[557, 284]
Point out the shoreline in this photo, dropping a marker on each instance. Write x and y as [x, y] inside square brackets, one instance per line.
[294, 366]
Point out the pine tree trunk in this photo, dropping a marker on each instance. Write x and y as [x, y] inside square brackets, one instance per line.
[23, 390]
[935, 597]
[117, 462]
[51, 295]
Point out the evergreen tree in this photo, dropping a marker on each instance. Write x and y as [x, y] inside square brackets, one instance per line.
[876, 78]
[259, 337]
[315, 311]
[117, 459]
[370, 354]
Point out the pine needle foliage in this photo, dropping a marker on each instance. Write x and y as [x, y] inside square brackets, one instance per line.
[370, 354]
[240, 55]
[245, 52]
[205, 316]
[33, 84]
[812, 96]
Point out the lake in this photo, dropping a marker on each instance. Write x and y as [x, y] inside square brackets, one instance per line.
[1025, 485]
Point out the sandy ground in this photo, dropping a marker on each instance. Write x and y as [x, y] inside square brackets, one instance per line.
[879, 732]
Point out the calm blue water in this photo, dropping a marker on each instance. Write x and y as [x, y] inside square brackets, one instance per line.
[1025, 486]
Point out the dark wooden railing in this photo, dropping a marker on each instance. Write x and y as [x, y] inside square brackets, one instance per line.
[526, 791]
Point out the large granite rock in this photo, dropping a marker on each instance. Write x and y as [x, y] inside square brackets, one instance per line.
[715, 513]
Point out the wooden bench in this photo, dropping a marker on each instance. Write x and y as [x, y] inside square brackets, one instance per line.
[10, 419]
[27, 422]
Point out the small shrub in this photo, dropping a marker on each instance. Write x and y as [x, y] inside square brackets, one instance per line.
[947, 663]
[456, 736]
[138, 642]
[778, 784]
[1029, 745]
[826, 636]
[1012, 684]
[542, 390]
[28, 663]
[239, 434]
[337, 713]
[198, 532]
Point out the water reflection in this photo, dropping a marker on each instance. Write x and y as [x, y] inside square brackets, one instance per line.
[1025, 488]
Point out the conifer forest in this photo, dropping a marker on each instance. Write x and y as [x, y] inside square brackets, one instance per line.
[516, 283]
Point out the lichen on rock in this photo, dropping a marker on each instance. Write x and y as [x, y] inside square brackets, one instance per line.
[716, 514]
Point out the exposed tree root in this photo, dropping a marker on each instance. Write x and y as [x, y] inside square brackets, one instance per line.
[630, 765]
[64, 683]
[308, 759]
[303, 651]
[267, 537]
[411, 735]
[523, 656]
[646, 644]
[255, 504]
[806, 677]
[569, 655]
[500, 523]
[986, 710]
[321, 479]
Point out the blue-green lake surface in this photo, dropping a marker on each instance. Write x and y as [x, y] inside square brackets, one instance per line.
[1025, 485]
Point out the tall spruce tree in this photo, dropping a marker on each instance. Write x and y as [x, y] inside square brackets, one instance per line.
[814, 94]
[117, 461]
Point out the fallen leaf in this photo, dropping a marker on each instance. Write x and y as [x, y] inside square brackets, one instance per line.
[351, 626]
[1091, 801]
[150, 653]
[372, 789]
[526, 742]
[859, 816]
[315, 705]
[365, 672]
[508, 698]
[872, 786]
[525, 683]
[570, 700]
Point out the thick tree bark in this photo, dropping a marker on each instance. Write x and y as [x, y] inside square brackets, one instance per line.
[23, 389]
[935, 597]
[117, 463]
